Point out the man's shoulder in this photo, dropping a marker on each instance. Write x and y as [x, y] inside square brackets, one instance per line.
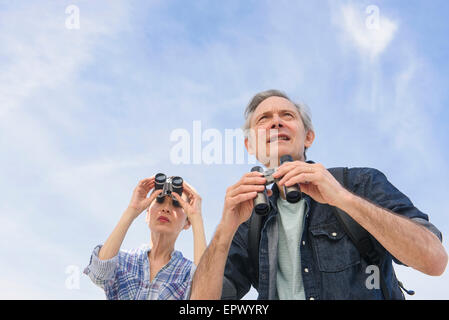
[358, 170]
[361, 174]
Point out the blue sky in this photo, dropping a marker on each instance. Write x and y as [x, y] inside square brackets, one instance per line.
[86, 113]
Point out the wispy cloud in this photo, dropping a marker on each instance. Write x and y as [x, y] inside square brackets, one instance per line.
[85, 113]
[370, 33]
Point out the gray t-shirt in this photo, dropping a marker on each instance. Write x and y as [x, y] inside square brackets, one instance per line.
[289, 281]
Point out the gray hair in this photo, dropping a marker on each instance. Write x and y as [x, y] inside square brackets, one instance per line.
[302, 108]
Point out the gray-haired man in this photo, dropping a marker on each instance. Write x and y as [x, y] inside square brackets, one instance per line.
[304, 251]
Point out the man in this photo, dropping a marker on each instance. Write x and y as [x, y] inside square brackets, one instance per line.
[304, 251]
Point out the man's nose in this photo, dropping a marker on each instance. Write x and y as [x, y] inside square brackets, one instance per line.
[276, 122]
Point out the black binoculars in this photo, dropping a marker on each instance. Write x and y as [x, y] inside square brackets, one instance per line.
[168, 185]
[261, 202]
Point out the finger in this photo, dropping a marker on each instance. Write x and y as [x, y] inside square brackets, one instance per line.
[293, 172]
[246, 188]
[288, 166]
[253, 174]
[187, 186]
[150, 199]
[282, 169]
[189, 190]
[154, 194]
[242, 197]
[248, 178]
[181, 201]
[304, 178]
[252, 181]
[145, 188]
[191, 193]
[146, 180]
[146, 184]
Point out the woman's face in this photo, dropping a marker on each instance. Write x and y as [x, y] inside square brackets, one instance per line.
[167, 218]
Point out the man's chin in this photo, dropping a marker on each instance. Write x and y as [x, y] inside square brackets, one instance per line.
[275, 153]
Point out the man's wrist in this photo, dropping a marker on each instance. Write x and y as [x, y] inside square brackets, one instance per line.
[225, 232]
[345, 200]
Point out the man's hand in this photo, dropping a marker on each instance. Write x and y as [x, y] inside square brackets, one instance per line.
[239, 199]
[139, 201]
[314, 180]
[208, 279]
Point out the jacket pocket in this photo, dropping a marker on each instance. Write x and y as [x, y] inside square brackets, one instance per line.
[334, 250]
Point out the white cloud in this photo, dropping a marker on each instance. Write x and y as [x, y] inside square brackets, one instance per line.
[172, 81]
[370, 31]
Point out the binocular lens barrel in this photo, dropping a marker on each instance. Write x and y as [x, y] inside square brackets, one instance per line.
[292, 193]
[177, 184]
[159, 181]
[177, 181]
[261, 202]
[261, 205]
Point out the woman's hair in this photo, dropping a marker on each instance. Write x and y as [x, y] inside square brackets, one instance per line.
[302, 108]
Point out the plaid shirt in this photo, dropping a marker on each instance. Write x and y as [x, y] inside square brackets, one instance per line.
[127, 276]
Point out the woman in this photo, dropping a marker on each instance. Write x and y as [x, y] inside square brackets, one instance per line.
[157, 270]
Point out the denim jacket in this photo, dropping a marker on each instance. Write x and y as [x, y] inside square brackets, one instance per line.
[331, 264]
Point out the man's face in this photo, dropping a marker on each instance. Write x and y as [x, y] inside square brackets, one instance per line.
[166, 217]
[278, 128]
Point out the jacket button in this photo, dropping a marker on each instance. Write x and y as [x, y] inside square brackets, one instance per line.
[311, 298]
[334, 234]
[306, 270]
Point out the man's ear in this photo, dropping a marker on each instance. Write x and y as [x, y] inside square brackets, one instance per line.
[248, 146]
[310, 136]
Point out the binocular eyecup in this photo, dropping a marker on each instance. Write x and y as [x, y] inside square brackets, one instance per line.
[168, 185]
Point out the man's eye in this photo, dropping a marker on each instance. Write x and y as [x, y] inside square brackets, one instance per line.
[261, 118]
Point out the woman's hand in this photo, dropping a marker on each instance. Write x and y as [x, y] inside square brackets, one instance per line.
[139, 201]
[192, 207]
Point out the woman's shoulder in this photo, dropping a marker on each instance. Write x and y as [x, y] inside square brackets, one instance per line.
[133, 255]
[182, 262]
[179, 257]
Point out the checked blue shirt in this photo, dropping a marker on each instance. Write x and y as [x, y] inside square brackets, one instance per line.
[127, 276]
